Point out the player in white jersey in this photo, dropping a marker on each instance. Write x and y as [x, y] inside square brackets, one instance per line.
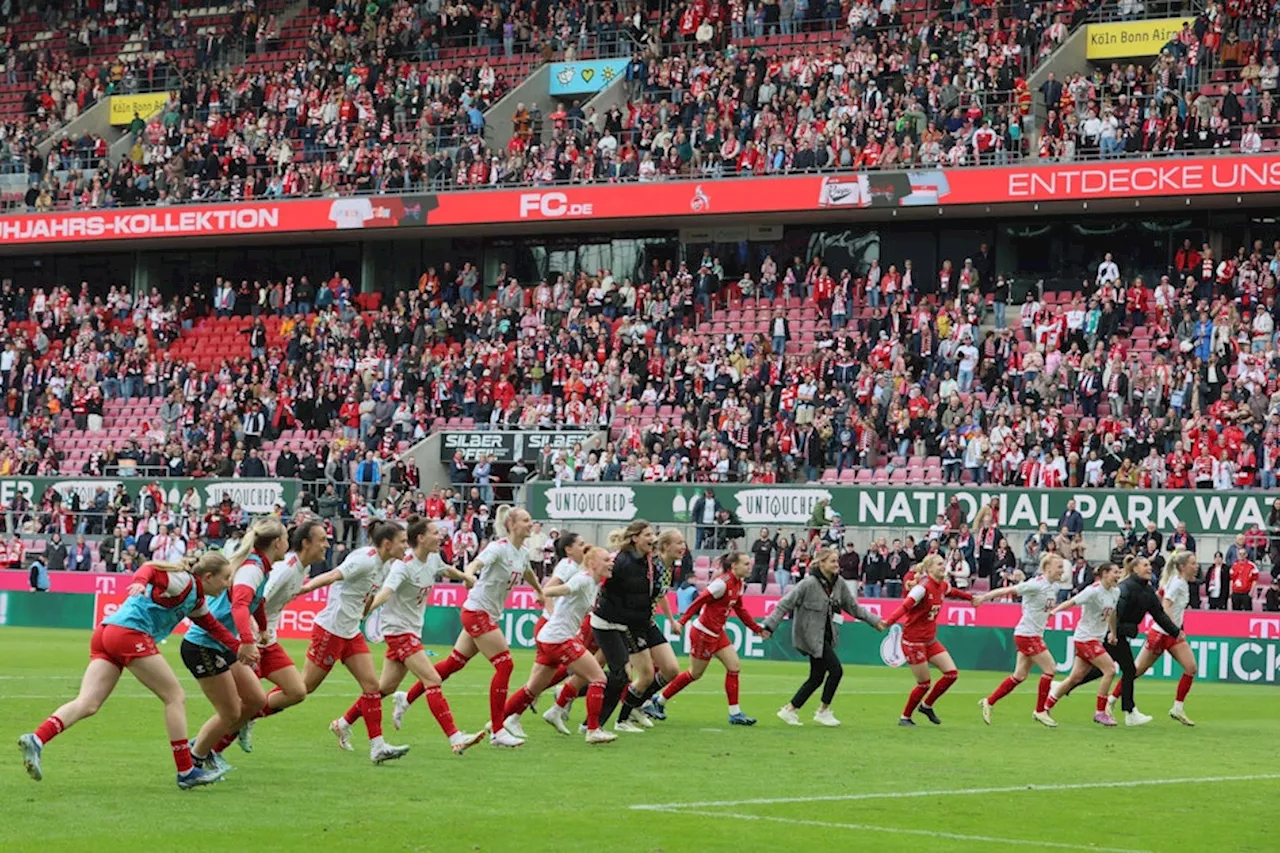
[336, 636]
[559, 643]
[1038, 595]
[1097, 623]
[1175, 593]
[403, 599]
[489, 577]
[308, 543]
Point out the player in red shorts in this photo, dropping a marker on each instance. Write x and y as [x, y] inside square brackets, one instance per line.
[403, 598]
[920, 607]
[490, 576]
[559, 643]
[1038, 595]
[160, 596]
[1097, 623]
[336, 637]
[1175, 593]
[557, 716]
[709, 638]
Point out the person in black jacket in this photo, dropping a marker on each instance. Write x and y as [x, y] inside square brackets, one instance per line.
[624, 608]
[653, 661]
[1137, 599]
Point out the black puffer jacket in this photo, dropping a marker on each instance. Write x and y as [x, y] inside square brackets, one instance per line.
[1137, 599]
[626, 598]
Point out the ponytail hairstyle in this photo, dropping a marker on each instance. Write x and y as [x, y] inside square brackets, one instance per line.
[1173, 568]
[418, 526]
[930, 560]
[727, 559]
[665, 538]
[564, 542]
[1130, 563]
[1106, 567]
[616, 539]
[301, 533]
[500, 521]
[197, 564]
[258, 536]
[381, 531]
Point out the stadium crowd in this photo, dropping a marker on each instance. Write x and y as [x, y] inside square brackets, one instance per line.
[714, 89]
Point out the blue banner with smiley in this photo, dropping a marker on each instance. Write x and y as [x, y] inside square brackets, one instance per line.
[589, 76]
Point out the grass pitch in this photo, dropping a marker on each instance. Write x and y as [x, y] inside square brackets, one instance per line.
[693, 783]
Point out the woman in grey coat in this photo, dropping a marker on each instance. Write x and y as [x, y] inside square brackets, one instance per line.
[813, 602]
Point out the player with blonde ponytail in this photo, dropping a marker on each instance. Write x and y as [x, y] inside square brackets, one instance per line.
[1175, 593]
[489, 577]
[232, 687]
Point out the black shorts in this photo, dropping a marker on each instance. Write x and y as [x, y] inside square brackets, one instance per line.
[203, 662]
[646, 639]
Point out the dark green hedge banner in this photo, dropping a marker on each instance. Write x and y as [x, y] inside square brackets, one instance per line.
[1239, 660]
[256, 496]
[906, 507]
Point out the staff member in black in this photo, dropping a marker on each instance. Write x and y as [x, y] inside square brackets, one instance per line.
[1137, 599]
[624, 609]
[653, 661]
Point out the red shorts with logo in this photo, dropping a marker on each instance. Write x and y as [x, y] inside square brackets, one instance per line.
[327, 649]
[921, 652]
[1158, 643]
[477, 623]
[1030, 646]
[560, 654]
[703, 646]
[120, 646]
[401, 647]
[272, 658]
[1090, 650]
[587, 635]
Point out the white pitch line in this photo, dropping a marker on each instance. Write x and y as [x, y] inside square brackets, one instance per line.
[927, 833]
[1013, 789]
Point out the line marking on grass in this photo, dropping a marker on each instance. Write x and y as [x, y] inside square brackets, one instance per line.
[927, 833]
[1010, 789]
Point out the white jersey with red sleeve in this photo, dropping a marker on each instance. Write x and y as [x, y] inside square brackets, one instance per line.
[1038, 598]
[1179, 593]
[571, 609]
[501, 567]
[1096, 606]
[362, 573]
[564, 570]
[283, 585]
[410, 581]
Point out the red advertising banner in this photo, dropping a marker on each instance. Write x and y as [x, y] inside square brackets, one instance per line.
[1175, 177]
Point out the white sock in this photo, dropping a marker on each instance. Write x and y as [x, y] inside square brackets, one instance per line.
[376, 742]
[455, 737]
[1177, 706]
[734, 709]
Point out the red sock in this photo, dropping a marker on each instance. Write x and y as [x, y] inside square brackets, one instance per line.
[567, 694]
[680, 682]
[1184, 686]
[1042, 697]
[440, 709]
[415, 692]
[267, 710]
[518, 702]
[502, 667]
[1006, 687]
[50, 729]
[450, 665]
[355, 712]
[595, 702]
[1050, 701]
[1115, 691]
[561, 673]
[371, 708]
[731, 686]
[226, 741]
[182, 754]
[944, 684]
[917, 693]
[1102, 704]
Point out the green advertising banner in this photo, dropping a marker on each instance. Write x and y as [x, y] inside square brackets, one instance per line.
[42, 610]
[907, 507]
[256, 496]
[1221, 659]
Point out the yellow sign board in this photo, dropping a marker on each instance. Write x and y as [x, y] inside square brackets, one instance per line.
[122, 107]
[1130, 39]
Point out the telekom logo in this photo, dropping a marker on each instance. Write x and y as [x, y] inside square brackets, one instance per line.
[446, 596]
[523, 599]
[1064, 621]
[104, 584]
[962, 616]
[1264, 629]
